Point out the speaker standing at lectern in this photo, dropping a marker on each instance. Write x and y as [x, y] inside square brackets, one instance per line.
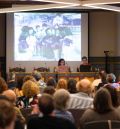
[85, 66]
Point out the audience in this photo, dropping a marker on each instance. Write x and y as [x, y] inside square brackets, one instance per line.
[46, 118]
[61, 98]
[102, 110]
[81, 99]
[50, 101]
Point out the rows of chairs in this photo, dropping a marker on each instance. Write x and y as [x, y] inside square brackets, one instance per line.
[77, 113]
[106, 124]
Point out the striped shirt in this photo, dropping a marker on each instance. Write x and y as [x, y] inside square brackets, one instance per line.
[80, 100]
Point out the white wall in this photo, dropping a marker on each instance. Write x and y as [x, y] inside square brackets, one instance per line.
[103, 33]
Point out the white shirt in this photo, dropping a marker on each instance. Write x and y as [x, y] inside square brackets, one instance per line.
[80, 100]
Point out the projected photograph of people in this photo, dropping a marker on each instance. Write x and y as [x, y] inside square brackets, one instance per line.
[47, 36]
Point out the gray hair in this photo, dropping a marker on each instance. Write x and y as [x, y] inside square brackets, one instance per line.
[61, 98]
[112, 76]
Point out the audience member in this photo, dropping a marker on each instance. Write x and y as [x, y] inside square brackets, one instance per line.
[103, 75]
[47, 119]
[61, 98]
[29, 77]
[62, 84]
[12, 97]
[12, 82]
[114, 95]
[51, 82]
[103, 109]
[7, 115]
[30, 91]
[111, 78]
[118, 80]
[37, 75]
[82, 98]
[49, 90]
[72, 86]
[96, 82]
[18, 89]
[3, 85]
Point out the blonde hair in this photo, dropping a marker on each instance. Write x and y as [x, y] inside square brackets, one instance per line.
[30, 89]
[62, 84]
[61, 98]
[84, 86]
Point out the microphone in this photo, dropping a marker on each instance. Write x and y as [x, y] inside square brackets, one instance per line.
[45, 69]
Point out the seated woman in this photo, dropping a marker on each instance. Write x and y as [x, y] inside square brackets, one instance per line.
[61, 66]
[103, 109]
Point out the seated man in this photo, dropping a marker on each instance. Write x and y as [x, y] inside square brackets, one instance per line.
[46, 119]
[81, 100]
[85, 66]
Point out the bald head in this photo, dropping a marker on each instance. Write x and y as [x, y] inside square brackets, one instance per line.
[10, 94]
[84, 86]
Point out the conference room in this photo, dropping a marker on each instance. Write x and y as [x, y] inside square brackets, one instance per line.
[36, 34]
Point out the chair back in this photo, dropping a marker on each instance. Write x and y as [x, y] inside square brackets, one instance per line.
[106, 124]
[77, 113]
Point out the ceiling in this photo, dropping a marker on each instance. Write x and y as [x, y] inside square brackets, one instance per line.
[7, 6]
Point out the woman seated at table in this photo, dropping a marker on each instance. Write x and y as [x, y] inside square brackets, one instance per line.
[61, 66]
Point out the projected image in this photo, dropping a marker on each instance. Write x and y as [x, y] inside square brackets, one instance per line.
[47, 36]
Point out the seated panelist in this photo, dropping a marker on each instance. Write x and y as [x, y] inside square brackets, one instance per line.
[61, 66]
[85, 66]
